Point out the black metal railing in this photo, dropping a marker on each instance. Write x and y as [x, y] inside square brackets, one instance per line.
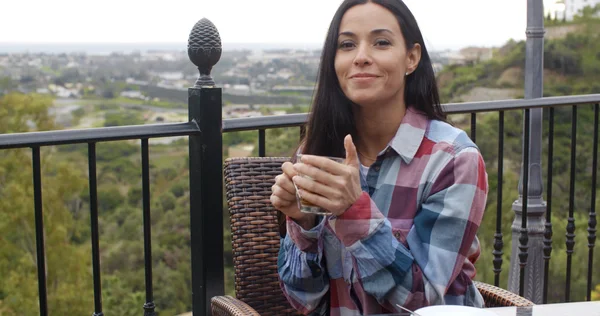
[524, 249]
[36, 140]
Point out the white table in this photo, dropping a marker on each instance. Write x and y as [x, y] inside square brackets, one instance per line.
[562, 309]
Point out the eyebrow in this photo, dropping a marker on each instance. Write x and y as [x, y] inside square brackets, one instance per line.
[375, 31]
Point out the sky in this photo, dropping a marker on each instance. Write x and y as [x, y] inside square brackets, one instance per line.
[445, 24]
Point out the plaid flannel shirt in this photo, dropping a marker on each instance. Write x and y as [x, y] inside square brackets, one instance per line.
[410, 239]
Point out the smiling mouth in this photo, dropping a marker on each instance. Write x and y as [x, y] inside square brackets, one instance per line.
[364, 77]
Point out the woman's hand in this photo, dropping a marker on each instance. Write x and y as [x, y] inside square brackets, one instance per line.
[335, 186]
[283, 197]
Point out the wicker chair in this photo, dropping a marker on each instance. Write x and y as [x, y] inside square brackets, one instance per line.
[255, 239]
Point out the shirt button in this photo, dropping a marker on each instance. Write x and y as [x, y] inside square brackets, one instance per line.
[397, 234]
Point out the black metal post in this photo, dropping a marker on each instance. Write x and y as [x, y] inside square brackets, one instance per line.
[206, 170]
[528, 226]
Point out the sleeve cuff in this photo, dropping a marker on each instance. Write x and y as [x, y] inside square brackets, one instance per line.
[305, 240]
[357, 222]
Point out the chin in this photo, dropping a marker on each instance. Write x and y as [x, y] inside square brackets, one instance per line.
[364, 99]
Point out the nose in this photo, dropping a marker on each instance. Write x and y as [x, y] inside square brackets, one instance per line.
[363, 56]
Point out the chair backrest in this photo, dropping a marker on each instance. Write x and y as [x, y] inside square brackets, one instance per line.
[254, 233]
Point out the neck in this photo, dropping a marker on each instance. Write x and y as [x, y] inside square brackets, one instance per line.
[376, 125]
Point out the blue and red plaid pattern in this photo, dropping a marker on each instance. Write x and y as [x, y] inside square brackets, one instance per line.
[410, 239]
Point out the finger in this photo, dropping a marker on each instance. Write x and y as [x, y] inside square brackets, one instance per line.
[327, 164]
[279, 203]
[351, 154]
[288, 169]
[324, 190]
[285, 183]
[283, 194]
[315, 173]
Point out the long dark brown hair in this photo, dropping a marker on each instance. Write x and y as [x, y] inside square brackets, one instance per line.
[331, 117]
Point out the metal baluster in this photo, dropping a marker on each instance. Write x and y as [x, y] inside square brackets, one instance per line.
[571, 221]
[94, 228]
[474, 127]
[523, 236]
[592, 221]
[498, 243]
[261, 143]
[39, 231]
[548, 224]
[149, 305]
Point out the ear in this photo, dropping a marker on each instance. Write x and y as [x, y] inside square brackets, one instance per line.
[413, 57]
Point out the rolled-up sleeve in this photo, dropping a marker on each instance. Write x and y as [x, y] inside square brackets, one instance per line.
[301, 267]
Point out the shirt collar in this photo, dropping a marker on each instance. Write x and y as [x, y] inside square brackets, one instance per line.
[410, 134]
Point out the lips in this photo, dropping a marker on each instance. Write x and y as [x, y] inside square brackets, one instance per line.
[363, 76]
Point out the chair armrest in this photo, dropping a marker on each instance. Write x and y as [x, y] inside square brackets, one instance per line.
[494, 296]
[230, 306]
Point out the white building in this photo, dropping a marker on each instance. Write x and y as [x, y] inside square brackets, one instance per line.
[567, 9]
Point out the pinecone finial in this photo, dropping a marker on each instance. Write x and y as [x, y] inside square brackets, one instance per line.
[204, 50]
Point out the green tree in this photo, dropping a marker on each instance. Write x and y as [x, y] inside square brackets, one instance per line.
[122, 118]
[596, 293]
[6, 85]
[68, 265]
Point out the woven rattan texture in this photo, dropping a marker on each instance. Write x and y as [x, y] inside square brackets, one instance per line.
[497, 297]
[254, 233]
[229, 306]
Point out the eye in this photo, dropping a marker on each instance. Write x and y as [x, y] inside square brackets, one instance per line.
[345, 45]
[382, 42]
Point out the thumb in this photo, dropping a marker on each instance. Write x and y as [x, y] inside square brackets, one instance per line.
[351, 154]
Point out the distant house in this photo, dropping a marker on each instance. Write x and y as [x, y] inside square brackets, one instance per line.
[476, 54]
[133, 94]
[64, 92]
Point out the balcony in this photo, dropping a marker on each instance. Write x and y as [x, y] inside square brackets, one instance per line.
[528, 253]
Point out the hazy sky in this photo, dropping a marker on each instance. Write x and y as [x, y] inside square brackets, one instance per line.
[444, 23]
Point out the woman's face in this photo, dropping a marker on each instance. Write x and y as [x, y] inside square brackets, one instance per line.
[371, 58]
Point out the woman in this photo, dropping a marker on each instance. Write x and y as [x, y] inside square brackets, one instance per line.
[411, 193]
